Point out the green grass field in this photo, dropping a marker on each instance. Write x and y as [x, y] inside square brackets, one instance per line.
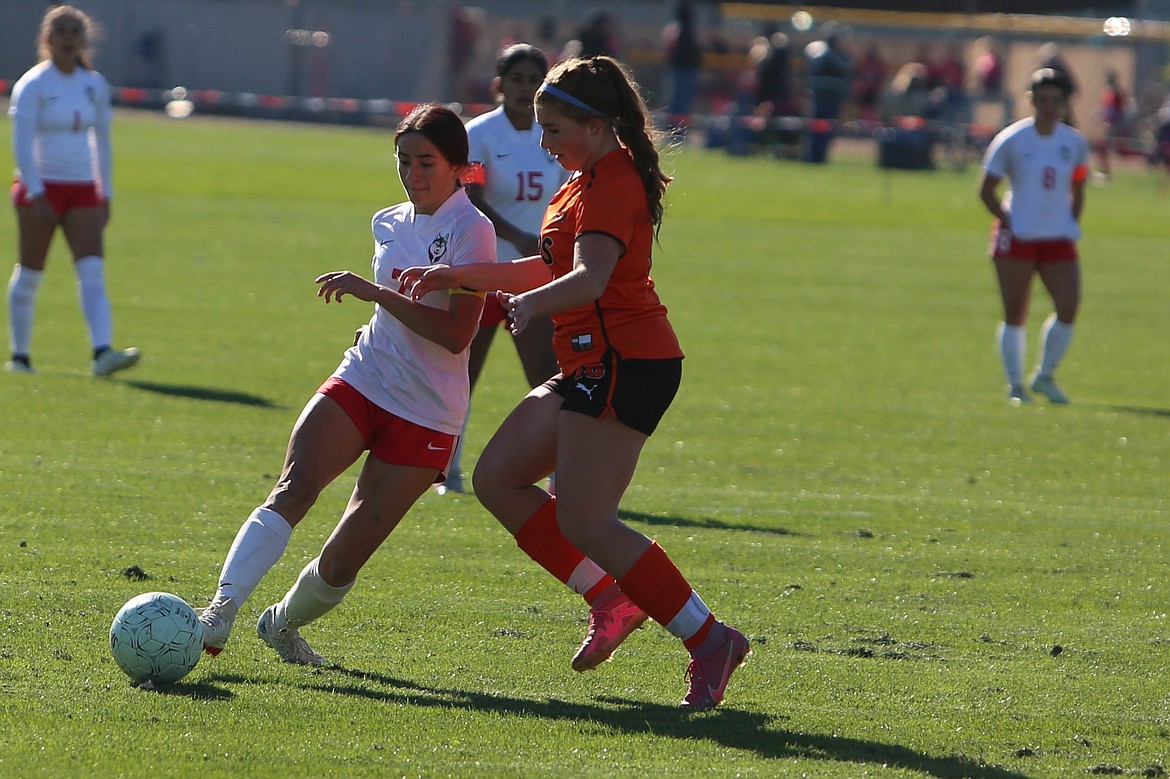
[936, 584]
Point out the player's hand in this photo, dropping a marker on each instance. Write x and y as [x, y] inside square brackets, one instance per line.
[421, 280]
[517, 309]
[336, 284]
[43, 209]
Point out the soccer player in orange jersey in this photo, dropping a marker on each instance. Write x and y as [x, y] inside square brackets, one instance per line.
[620, 367]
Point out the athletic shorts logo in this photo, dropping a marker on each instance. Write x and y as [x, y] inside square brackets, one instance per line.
[587, 390]
[433, 448]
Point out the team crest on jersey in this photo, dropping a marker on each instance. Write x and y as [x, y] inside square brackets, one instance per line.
[438, 247]
[1065, 153]
[91, 95]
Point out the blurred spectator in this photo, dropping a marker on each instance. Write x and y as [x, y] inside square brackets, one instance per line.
[466, 24]
[774, 75]
[1118, 111]
[827, 69]
[989, 66]
[909, 95]
[685, 58]
[1050, 56]
[1160, 156]
[907, 108]
[869, 80]
[598, 36]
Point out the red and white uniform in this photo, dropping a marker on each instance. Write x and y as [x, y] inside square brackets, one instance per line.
[1041, 169]
[392, 366]
[519, 175]
[629, 318]
[61, 128]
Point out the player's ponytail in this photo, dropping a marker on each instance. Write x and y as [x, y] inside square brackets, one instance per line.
[603, 87]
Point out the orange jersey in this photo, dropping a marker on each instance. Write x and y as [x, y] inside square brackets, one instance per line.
[629, 318]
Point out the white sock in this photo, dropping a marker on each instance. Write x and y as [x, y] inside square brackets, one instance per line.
[309, 598]
[259, 543]
[1055, 336]
[1012, 344]
[91, 286]
[22, 299]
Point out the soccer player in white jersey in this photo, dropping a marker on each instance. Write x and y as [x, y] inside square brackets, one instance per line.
[61, 140]
[515, 180]
[400, 392]
[1037, 226]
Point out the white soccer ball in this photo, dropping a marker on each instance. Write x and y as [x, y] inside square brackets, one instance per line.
[156, 638]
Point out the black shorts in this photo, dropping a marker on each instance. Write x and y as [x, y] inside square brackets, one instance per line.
[636, 392]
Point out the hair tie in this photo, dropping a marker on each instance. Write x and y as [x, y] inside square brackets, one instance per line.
[563, 95]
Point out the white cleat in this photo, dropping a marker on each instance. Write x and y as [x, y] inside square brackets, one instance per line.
[1017, 395]
[453, 483]
[287, 642]
[1046, 386]
[112, 360]
[217, 621]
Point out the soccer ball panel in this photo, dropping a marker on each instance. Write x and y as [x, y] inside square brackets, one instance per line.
[156, 638]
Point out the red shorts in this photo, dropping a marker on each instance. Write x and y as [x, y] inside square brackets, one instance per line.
[1005, 246]
[390, 438]
[62, 195]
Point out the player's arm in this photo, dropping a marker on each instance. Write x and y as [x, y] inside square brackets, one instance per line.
[526, 243]
[451, 328]
[595, 255]
[1080, 175]
[989, 195]
[516, 276]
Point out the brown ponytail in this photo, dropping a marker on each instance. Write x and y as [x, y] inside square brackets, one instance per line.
[609, 88]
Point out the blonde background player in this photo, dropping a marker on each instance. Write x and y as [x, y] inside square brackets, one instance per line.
[61, 140]
[518, 179]
[400, 392]
[621, 366]
[1037, 226]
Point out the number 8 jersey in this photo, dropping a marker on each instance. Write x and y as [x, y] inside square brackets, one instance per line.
[1041, 169]
[520, 177]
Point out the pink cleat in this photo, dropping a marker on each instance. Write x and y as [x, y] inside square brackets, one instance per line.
[708, 675]
[611, 620]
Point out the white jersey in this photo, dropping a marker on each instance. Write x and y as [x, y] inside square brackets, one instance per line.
[521, 177]
[394, 367]
[61, 127]
[1041, 170]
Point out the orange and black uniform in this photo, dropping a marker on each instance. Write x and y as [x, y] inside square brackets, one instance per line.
[623, 340]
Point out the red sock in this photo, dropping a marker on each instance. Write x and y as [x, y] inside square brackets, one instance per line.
[541, 539]
[656, 585]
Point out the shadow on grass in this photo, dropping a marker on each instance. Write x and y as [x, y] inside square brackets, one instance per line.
[202, 690]
[706, 524]
[728, 727]
[1143, 411]
[203, 393]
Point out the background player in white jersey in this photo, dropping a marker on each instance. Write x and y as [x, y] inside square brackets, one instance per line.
[400, 392]
[61, 140]
[518, 179]
[1037, 226]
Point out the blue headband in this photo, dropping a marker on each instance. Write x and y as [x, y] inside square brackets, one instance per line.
[563, 95]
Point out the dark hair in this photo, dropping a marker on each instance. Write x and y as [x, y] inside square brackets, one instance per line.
[439, 125]
[606, 85]
[1045, 77]
[518, 52]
